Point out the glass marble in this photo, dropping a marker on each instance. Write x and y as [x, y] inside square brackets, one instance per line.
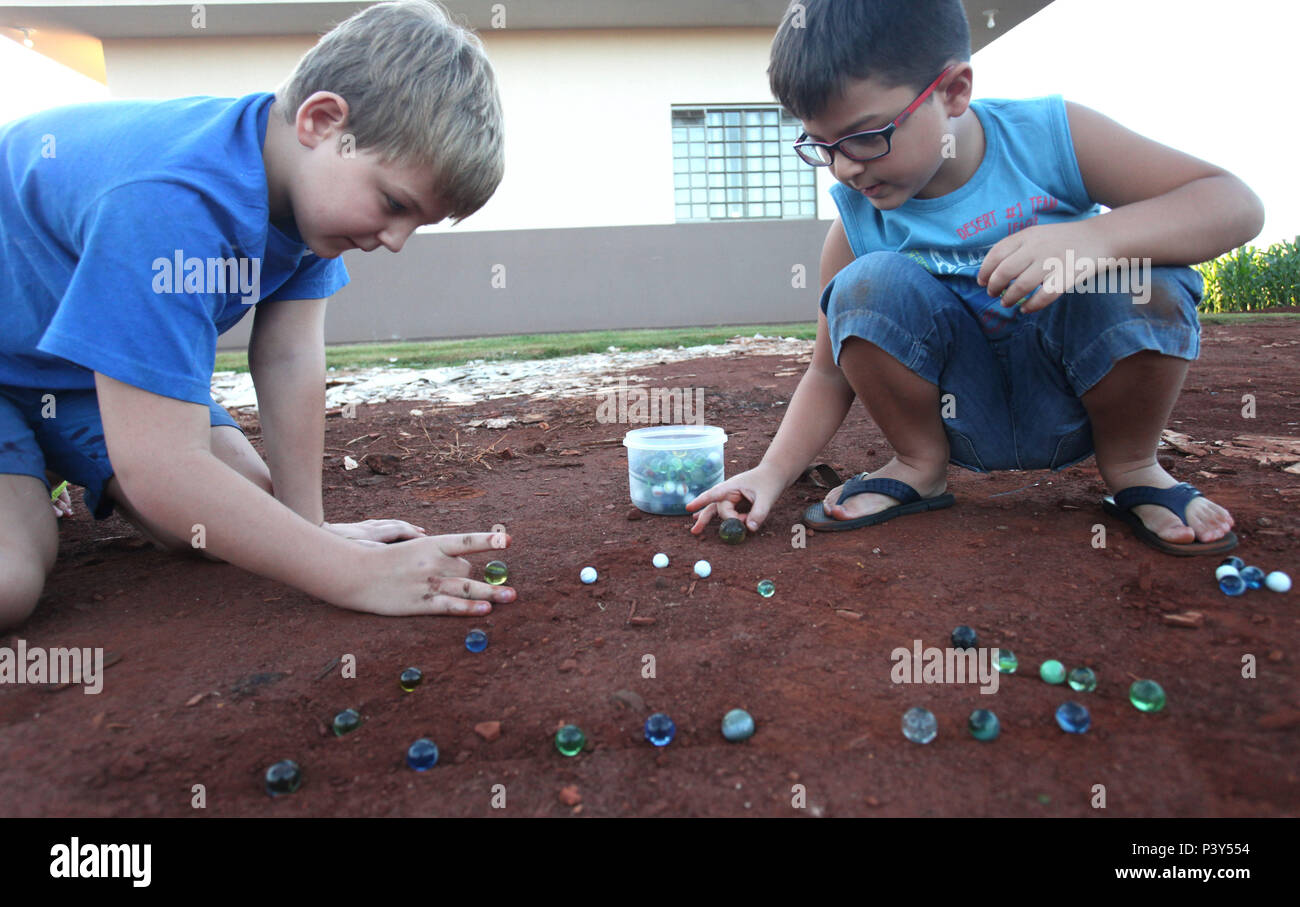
[660, 560]
[1223, 570]
[1234, 562]
[766, 588]
[495, 572]
[703, 569]
[984, 725]
[1007, 661]
[1073, 718]
[660, 729]
[963, 638]
[664, 481]
[1052, 671]
[410, 679]
[422, 755]
[732, 531]
[570, 740]
[919, 725]
[1082, 680]
[1253, 576]
[346, 721]
[588, 575]
[476, 640]
[283, 778]
[1232, 584]
[737, 725]
[1278, 581]
[1146, 696]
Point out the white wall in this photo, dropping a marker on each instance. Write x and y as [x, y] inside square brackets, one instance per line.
[587, 113]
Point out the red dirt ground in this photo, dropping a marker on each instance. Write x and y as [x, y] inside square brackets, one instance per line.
[812, 664]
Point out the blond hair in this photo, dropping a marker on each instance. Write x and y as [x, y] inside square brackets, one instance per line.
[420, 90]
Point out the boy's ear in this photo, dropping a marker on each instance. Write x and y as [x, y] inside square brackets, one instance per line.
[956, 92]
[322, 116]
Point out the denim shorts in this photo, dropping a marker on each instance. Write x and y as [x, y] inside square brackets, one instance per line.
[1015, 384]
[70, 442]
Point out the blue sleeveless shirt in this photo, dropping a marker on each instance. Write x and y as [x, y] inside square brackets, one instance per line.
[1029, 176]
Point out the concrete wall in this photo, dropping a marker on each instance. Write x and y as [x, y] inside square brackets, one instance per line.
[576, 279]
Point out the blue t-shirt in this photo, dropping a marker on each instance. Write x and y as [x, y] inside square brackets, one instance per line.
[1029, 176]
[132, 234]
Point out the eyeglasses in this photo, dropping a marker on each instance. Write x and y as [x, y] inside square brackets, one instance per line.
[861, 146]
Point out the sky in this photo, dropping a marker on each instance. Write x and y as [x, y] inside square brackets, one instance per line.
[1207, 77]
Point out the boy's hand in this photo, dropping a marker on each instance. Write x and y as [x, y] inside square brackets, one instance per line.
[1019, 264]
[429, 576]
[757, 486]
[377, 531]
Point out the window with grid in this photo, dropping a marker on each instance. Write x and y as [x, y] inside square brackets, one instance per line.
[736, 162]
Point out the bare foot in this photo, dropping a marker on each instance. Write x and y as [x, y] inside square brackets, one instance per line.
[1206, 520]
[928, 480]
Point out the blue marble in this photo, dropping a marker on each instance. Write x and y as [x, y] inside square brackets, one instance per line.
[422, 755]
[1232, 584]
[1253, 577]
[1073, 718]
[346, 721]
[283, 778]
[737, 725]
[476, 640]
[919, 725]
[660, 729]
[984, 725]
[1234, 562]
[410, 679]
[963, 638]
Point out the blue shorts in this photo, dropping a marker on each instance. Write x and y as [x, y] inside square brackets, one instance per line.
[70, 442]
[1015, 385]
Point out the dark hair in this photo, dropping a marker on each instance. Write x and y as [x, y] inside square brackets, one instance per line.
[823, 43]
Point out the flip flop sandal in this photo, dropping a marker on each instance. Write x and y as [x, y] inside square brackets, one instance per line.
[1174, 499]
[909, 501]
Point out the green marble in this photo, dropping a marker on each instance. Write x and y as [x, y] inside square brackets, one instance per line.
[1082, 679]
[570, 740]
[495, 572]
[1146, 696]
[1052, 671]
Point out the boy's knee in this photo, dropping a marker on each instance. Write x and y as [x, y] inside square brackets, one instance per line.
[1165, 298]
[20, 592]
[877, 280]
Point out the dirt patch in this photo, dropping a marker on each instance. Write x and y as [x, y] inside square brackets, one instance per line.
[223, 673]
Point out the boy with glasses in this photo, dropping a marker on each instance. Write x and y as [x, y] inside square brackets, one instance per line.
[961, 280]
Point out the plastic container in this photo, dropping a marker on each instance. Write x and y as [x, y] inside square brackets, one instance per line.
[668, 465]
